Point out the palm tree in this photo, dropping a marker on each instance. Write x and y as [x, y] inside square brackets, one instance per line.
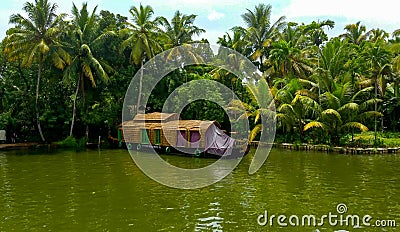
[295, 114]
[377, 35]
[378, 60]
[264, 111]
[141, 38]
[355, 33]
[396, 33]
[292, 55]
[84, 36]
[342, 112]
[261, 32]
[236, 41]
[177, 36]
[179, 32]
[331, 122]
[391, 106]
[336, 56]
[337, 68]
[289, 60]
[34, 38]
[315, 33]
[342, 106]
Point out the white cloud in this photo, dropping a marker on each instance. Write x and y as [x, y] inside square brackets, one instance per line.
[382, 12]
[214, 15]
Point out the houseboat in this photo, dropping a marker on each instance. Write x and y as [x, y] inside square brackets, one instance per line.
[168, 133]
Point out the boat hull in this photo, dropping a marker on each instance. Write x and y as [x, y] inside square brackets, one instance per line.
[194, 152]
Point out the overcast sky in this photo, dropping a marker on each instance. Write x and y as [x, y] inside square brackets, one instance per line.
[217, 17]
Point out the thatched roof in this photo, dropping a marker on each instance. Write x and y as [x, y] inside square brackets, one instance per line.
[188, 124]
[174, 125]
[156, 117]
[167, 122]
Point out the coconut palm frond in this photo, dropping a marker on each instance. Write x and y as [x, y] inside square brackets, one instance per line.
[254, 132]
[355, 125]
[349, 107]
[315, 124]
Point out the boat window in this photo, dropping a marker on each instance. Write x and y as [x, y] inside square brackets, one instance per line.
[194, 136]
[158, 136]
[195, 139]
[181, 140]
[145, 137]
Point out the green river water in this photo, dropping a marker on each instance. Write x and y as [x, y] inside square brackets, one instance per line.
[105, 191]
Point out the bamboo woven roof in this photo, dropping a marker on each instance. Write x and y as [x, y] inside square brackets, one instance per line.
[174, 125]
[167, 121]
[156, 116]
[187, 124]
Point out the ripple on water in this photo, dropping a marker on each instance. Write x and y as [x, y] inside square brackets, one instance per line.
[104, 190]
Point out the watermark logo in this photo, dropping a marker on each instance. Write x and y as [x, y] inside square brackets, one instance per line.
[341, 208]
[141, 90]
[333, 219]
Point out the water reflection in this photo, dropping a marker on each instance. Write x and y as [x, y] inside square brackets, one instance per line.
[211, 219]
[68, 191]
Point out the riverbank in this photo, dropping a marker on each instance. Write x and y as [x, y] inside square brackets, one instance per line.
[327, 148]
[254, 144]
[10, 146]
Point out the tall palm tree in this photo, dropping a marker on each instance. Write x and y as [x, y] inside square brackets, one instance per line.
[265, 109]
[141, 38]
[355, 33]
[179, 31]
[315, 32]
[335, 55]
[261, 32]
[34, 38]
[289, 60]
[236, 41]
[378, 60]
[84, 35]
[177, 36]
[377, 35]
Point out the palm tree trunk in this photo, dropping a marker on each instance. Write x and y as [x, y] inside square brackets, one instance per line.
[140, 87]
[84, 105]
[37, 97]
[376, 108]
[87, 133]
[74, 109]
[83, 92]
[301, 132]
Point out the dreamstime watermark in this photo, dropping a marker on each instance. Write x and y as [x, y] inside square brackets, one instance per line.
[338, 218]
[144, 82]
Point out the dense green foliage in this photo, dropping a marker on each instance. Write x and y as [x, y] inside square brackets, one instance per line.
[63, 78]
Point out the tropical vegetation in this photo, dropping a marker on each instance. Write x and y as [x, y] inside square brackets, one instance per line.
[65, 75]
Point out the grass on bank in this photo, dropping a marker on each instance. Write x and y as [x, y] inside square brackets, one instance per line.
[367, 139]
[71, 142]
[358, 140]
